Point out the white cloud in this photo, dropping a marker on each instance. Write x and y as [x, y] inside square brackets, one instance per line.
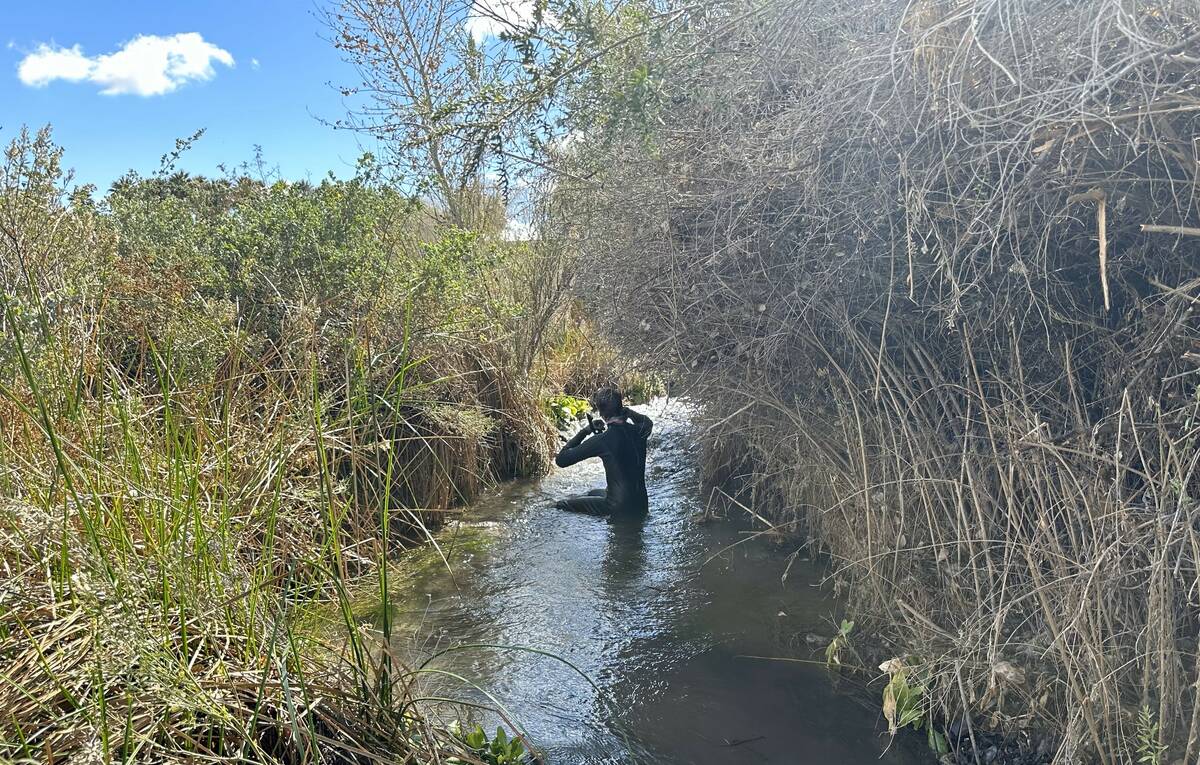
[488, 18]
[48, 64]
[254, 63]
[147, 65]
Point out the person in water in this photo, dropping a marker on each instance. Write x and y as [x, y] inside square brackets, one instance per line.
[619, 440]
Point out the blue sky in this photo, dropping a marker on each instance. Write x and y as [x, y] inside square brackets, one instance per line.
[253, 72]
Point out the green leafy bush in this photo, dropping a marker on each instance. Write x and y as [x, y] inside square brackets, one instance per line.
[563, 410]
[501, 750]
[905, 704]
[1150, 750]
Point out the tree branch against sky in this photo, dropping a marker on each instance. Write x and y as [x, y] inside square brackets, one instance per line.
[466, 92]
[426, 84]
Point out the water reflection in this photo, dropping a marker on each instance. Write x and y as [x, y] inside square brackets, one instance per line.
[624, 563]
[630, 604]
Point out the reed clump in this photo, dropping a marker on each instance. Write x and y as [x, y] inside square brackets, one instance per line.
[222, 404]
[932, 269]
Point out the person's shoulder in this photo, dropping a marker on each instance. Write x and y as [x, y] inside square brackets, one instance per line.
[614, 430]
[627, 430]
[605, 439]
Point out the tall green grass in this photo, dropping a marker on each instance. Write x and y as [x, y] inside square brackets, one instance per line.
[223, 406]
[155, 557]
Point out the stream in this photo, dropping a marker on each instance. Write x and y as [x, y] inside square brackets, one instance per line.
[661, 617]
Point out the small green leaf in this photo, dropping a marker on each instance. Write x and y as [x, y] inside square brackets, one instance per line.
[476, 739]
[937, 742]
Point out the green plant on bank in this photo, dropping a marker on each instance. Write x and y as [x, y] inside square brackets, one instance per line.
[840, 642]
[904, 705]
[1149, 749]
[500, 750]
[563, 410]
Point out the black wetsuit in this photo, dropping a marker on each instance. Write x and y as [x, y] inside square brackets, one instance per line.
[622, 447]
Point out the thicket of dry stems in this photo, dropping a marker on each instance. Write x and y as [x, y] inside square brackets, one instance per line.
[933, 268]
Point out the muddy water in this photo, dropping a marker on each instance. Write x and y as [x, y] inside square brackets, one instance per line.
[665, 636]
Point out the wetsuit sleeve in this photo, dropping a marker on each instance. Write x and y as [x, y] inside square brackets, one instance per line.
[578, 449]
[641, 422]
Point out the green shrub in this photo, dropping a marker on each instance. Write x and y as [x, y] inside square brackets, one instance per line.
[563, 410]
[222, 402]
[501, 750]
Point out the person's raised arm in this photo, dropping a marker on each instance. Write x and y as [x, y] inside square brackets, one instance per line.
[641, 422]
[578, 449]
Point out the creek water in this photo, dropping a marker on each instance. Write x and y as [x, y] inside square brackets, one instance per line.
[659, 615]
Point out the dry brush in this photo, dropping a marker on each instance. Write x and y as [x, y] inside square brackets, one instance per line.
[933, 269]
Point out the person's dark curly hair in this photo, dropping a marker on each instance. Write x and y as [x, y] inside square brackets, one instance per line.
[608, 402]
